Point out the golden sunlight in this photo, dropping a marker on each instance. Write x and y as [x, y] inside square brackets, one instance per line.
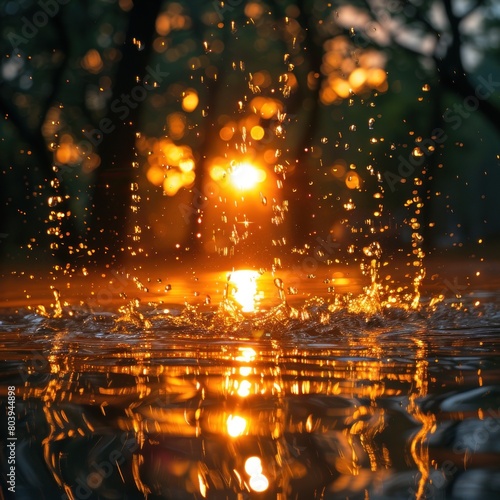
[244, 291]
[247, 354]
[246, 176]
[203, 485]
[236, 425]
[244, 389]
[259, 483]
[253, 467]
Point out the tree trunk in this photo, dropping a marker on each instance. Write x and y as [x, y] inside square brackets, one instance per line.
[298, 192]
[111, 200]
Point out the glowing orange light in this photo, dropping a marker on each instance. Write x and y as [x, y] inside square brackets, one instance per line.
[226, 133]
[163, 24]
[186, 165]
[67, 153]
[247, 353]
[217, 173]
[259, 483]
[155, 175]
[92, 61]
[236, 425]
[269, 109]
[257, 133]
[244, 389]
[203, 485]
[187, 178]
[172, 184]
[376, 77]
[253, 466]
[245, 371]
[176, 123]
[341, 87]
[245, 289]
[262, 79]
[328, 95]
[246, 176]
[265, 107]
[358, 78]
[353, 180]
[190, 101]
[338, 170]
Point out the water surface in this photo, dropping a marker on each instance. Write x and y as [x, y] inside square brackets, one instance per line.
[171, 402]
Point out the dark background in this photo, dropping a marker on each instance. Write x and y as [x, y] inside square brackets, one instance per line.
[90, 89]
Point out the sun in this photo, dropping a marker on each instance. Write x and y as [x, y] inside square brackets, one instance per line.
[244, 292]
[246, 176]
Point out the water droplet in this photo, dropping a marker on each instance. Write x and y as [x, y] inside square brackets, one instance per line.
[371, 122]
[417, 238]
[168, 288]
[54, 200]
[138, 44]
[373, 250]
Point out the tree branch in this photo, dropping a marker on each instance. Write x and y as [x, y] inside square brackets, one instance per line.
[393, 38]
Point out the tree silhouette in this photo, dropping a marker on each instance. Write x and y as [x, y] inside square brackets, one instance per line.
[408, 25]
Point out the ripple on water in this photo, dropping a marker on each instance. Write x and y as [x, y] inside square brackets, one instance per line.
[346, 404]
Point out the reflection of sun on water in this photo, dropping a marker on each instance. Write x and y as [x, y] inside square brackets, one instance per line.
[244, 388]
[236, 425]
[253, 467]
[259, 482]
[247, 354]
[258, 433]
